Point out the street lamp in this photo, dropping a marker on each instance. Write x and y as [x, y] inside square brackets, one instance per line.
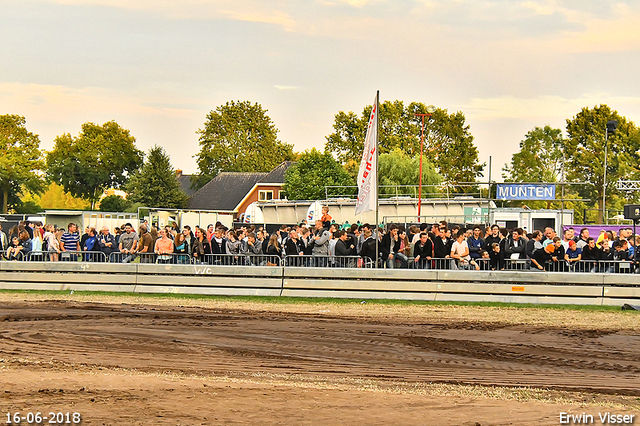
[430, 110]
[611, 127]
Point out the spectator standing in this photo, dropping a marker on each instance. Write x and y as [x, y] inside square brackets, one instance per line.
[37, 243]
[405, 245]
[442, 248]
[460, 252]
[326, 218]
[496, 257]
[542, 258]
[52, 243]
[164, 247]
[308, 241]
[390, 248]
[254, 247]
[4, 242]
[591, 255]
[181, 248]
[234, 245]
[294, 246]
[84, 237]
[535, 243]
[128, 243]
[572, 255]
[154, 237]
[584, 236]
[557, 256]
[26, 242]
[218, 242]
[145, 245]
[106, 242]
[423, 252]
[273, 251]
[321, 239]
[475, 243]
[90, 244]
[368, 247]
[200, 246]
[515, 247]
[70, 241]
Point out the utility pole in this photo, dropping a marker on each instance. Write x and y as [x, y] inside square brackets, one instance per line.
[430, 110]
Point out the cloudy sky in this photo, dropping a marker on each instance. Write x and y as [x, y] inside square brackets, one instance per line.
[158, 67]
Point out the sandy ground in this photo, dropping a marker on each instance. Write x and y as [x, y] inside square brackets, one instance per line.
[170, 361]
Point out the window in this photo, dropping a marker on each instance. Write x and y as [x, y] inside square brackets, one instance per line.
[264, 195]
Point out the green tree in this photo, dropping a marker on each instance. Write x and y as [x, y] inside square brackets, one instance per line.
[448, 144]
[540, 157]
[397, 168]
[307, 178]
[155, 183]
[20, 161]
[238, 137]
[584, 150]
[114, 203]
[101, 157]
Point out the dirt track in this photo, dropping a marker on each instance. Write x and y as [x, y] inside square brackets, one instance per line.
[192, 366]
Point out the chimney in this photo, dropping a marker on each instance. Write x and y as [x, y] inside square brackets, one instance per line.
[178, 172]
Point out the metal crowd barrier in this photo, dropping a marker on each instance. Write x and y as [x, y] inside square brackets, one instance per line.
[239, 260]
[169, 258]
[82, 256]
[582, 266]
[328, 262]
[14, 256]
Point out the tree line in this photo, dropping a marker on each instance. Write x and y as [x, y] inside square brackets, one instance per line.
[240, 136]
[547, 155]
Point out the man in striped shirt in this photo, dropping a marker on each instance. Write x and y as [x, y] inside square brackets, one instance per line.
[70, 241]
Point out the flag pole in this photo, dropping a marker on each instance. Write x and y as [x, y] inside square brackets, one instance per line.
[377, 189]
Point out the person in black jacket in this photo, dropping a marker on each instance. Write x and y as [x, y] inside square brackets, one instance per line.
[390, 248]
[106, 242]
[200, 247]
[442, 248]
[515, 249]
[423, 252]
[368, 248]
[494, 237]
[535, 243]
[293, 246]
[541, 259]
[591, 255]
[557, 263]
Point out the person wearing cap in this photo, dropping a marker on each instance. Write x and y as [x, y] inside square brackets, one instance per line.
[573, 255]
[542, 258]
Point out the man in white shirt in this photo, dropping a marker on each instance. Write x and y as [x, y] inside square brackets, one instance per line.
[460, 252]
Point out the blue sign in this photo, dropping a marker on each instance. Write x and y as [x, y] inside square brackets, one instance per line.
[526, 191]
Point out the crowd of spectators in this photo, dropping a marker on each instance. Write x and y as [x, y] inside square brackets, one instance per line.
[424, 246]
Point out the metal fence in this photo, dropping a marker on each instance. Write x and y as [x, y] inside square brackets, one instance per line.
[239, 260]
[403, 262]
[328, 262]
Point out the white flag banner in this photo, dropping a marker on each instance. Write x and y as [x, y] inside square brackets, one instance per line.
[367, 175]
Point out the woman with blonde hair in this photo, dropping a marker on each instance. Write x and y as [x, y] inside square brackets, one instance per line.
[36, 245]
[52, 242]
[273, 249]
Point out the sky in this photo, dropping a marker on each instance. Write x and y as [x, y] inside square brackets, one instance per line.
[157, 67]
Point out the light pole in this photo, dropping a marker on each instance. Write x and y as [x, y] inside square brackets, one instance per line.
[611, 127]
[430, 110]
